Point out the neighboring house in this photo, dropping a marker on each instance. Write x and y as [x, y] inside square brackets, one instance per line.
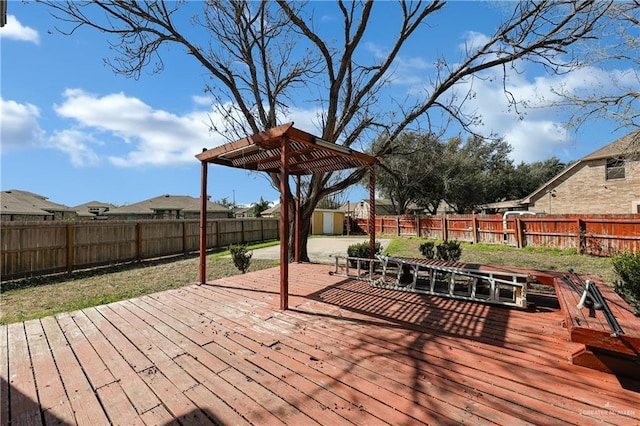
[360, 209]
[94, 210]
[168, 207]
[24, 205]
[606, 181]
[243, 212]
[271, 211]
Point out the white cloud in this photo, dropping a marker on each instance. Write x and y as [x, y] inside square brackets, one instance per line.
[14, 30]
[76, 144]
[201, 100]
[534, 133]
[473, 41]
[155, 137]
[19, 126]
[536, 140]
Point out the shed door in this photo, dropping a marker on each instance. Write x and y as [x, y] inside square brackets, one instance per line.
[327, 223]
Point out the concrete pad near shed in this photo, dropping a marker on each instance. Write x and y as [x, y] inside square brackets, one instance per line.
[321, 249]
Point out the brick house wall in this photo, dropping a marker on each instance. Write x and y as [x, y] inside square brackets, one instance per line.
[585, 190]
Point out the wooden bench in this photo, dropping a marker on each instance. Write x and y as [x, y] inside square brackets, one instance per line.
[603, 350]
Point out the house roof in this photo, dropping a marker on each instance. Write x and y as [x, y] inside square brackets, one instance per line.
[167, 202]
[85, 210]
[14, 201]
[308, 154]
[620, 147]
[625, 145]
[242, 210]
[271, 210]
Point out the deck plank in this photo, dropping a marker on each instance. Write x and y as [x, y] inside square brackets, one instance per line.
[82, 398]
[4, 377]
[117, 405]
[140, 395]
[23, 395]
[54, 402]
[99, 375]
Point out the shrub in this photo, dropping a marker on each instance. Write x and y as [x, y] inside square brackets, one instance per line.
[627, 266]
[428, 249]
[241, 258]
[449, 251]
[361, 250]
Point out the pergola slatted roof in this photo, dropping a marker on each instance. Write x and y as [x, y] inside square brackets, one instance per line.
[287, 151]
[308, 154]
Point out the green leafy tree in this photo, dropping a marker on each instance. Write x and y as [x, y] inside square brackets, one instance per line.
[527, 177]
[260, 206]
[257, 55]
[407, 169]
[476, 172]
[224, 201]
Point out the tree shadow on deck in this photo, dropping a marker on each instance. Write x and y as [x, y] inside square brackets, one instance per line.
[18, 408]
[440, 339]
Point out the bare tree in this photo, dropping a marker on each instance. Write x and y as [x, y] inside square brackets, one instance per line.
[613, 61]
[258, 54]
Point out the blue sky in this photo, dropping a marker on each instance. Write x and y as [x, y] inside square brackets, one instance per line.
[74, 131]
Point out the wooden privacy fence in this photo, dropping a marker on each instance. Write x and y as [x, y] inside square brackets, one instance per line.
[602, 235]
[37, 248]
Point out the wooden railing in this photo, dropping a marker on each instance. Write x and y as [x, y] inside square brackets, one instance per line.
[37, 248]
[602, 235]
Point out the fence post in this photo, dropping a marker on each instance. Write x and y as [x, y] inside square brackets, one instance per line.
[184, 237]
[69, 248]
[474, 228]
[418, 226]
[138, 242]
[398, 225]
[261, 229]
[519, 233]
[242, 239]
[582, 236]
[217, 222]
[445, 230]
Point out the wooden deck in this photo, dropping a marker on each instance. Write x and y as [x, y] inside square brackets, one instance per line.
[343, 354]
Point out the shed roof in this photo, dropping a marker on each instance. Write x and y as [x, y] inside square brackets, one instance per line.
[308, 154]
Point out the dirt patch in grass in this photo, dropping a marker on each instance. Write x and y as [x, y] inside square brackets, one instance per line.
[38, 297]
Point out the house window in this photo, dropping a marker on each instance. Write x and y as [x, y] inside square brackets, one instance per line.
[615, 168]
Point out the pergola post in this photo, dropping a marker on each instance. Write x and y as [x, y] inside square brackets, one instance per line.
[297, 247]
[203, 224]
[284, 223]
[372, 212]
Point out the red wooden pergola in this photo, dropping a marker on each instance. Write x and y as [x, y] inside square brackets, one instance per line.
[288, 151]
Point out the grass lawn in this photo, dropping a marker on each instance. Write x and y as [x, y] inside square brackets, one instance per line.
[38, 297]
[542, 259]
